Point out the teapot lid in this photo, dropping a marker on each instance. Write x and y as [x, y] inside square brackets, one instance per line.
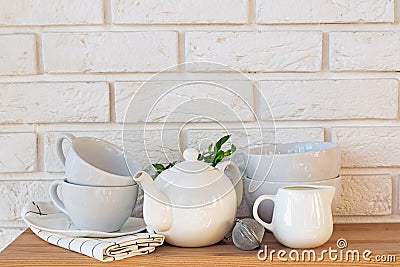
[191, 163]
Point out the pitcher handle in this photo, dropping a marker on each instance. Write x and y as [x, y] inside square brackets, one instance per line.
[236, 178]
[61, 138]
[54, 196]
[257, 203]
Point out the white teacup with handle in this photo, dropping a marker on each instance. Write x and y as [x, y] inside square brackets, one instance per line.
[95, 162]
[95, 208]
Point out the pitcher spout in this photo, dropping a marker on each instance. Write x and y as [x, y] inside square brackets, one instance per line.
[157, 210]
[329, 193]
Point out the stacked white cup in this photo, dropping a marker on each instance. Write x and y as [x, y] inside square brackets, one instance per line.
[99, 192]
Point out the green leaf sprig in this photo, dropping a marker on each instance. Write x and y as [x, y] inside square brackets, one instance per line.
[213, 156]
[159, 168]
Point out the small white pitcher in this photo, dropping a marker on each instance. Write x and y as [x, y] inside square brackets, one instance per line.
[302, 215]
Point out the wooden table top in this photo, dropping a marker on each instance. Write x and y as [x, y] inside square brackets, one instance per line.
[382, 239]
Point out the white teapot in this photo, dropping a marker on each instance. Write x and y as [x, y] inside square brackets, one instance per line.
[193, 204]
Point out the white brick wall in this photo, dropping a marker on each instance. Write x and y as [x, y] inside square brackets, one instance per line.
[109, 51]
[51, 12]
[257, 51]
[324, 11]
[18, 152]
[366, 195]
[17, 54]
[364, 51]
[331, 99]
[328, 69]
[180, 101]
[368, 146]
[54, 102]
[179, 12]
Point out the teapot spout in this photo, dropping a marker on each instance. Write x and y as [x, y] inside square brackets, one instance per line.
[149, 187]
[157, 210]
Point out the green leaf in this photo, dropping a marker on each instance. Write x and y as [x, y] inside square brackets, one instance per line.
[218, 157]
[227, 153]
[209, 159]
[213, 155]
[158, 166]
[222, 141]
[170, 165]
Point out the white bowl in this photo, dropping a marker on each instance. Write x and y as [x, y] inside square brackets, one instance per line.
[294, 162]
[254, 188]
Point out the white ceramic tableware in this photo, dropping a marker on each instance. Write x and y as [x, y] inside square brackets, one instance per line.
[95, 162]
[294, 162]
[59, 223]
[94, 208]
[302, 215]
[192, 204]
[254, 188]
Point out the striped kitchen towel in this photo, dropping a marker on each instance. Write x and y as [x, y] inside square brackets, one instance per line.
[103, 249]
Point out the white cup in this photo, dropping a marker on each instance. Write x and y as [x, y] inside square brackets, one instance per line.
[93, 208]
[94, 162]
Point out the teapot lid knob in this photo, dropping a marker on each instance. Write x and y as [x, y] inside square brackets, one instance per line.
[190, 154]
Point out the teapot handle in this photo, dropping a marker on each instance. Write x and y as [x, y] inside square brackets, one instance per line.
[257, 203]
[235, 177]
